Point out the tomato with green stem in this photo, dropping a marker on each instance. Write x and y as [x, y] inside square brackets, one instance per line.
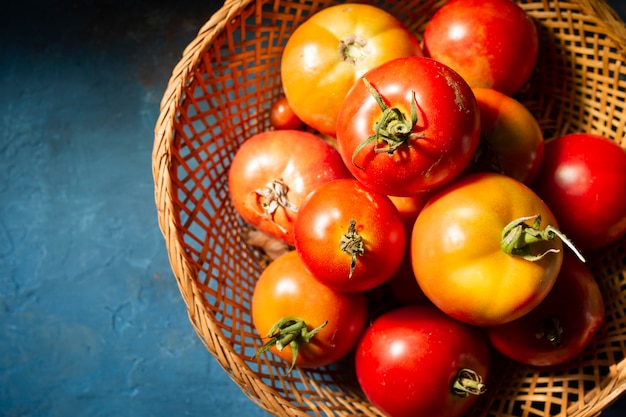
[350, 237]
[302, 321]
[417, 361]
[409, 125]
[486, 249]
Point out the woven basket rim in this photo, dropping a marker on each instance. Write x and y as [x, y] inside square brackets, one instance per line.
[161, 169]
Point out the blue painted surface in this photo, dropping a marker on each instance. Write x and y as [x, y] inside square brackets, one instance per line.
[91, 320]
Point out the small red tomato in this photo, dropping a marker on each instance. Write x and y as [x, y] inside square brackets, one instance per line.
[559, 328]
[350, 237]
[491, 43]
[417, 361]
[582, 179]
[282, 116]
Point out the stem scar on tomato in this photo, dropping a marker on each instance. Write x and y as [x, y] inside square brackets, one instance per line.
[273, 196]
[468, 382]
[289, 332]
[393, 129]
[352, 244]
[353, 49]
[518, 235]
[551, 329]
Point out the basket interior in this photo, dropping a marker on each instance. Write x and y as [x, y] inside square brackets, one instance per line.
[232, 76]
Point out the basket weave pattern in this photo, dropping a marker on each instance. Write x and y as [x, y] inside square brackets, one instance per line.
[219, 95]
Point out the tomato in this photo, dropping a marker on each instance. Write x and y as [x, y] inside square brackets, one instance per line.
[327, 53]
[410, 125]
[511, 141]
[582, 179]
[282, 116]
[273, 172]
[350, 237]
[561, 326]
[417, 361]
[307, 323]
[491, 43]
[486, 249]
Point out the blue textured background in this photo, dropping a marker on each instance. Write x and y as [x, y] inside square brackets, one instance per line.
[91, 320]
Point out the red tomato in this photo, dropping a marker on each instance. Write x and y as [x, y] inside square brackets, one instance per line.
[282, 116]
[582, 179]
[410, 125]
[411, 361]
[486, 249]
[326, 54]
[511, 141]
[559, 328]
[273, 172]
[307, 323]
[349, 237]
[491, 43]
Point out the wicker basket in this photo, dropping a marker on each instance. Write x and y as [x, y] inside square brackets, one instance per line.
[219, 95]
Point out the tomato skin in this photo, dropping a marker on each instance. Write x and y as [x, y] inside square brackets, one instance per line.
[575, 300]
[408, 358]
[300, 160]
[287, 289]
[445, 136]
[491, 43]
[582, 179]
[282, 116]
[457, 258]
[511, 141]
[317, 69]
[325, 217]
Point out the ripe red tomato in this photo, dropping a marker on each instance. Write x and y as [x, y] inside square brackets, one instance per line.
[282, 116]
[273, 172]
[561, 326]
[485, 249]
[326, 54]
[491, 43]
[411, 360]
[511, 141]
[582, 179]
[410, 125]
[350, 237]
[316, 324]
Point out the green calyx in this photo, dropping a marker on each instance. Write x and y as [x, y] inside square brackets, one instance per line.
[551, 329]
[392, 130]
[518, 237]
[289, 332]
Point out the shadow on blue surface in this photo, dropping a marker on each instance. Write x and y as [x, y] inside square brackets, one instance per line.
[92, 321]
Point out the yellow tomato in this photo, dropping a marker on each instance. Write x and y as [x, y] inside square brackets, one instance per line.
[326, 54]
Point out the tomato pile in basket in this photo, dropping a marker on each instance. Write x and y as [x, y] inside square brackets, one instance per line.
[423, 219]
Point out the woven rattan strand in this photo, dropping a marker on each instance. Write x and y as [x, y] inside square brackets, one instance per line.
[218, 96]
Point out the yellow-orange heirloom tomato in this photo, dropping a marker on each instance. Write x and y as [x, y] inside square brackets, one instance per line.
[458, 255]
[327, 53]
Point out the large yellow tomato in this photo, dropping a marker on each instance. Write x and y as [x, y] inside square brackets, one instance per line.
[486, 249]
[326, 54]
